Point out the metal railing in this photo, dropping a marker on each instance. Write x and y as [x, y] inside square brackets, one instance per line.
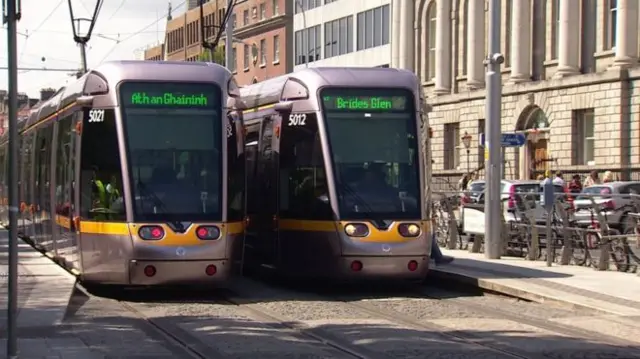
[596, 235]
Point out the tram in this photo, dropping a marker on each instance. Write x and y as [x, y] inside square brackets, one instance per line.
[336, 178]
[133, 175]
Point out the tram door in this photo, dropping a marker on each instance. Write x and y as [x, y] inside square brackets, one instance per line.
[268, 178]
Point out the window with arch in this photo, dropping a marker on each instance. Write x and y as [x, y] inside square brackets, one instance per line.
[611, 21]
[431, 41]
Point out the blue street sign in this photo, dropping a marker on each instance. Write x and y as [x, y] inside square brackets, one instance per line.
[509, 139]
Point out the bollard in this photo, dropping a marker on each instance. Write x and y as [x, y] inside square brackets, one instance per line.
[548, 192]
[603, 261]
[453, 227]
[534, 246]
[567, 243]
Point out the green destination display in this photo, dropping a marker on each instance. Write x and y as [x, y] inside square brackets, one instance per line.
[170, 95]
[364, 103]
[169, 99]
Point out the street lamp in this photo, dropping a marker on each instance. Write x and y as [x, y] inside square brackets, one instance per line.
[466, 141]
[82, 37]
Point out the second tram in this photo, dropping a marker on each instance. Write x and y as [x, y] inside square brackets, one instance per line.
[337, 182]
[134, 174]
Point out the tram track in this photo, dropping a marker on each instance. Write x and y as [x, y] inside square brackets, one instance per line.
[195, 348]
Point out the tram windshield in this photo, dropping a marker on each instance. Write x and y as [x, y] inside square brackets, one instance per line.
[174, 144]
[374, 144]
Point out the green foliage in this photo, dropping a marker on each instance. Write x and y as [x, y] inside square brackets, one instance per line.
[218, 56]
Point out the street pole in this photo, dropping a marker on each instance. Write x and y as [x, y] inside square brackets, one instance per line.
[11, 18]
[228, 41]
[493, 206]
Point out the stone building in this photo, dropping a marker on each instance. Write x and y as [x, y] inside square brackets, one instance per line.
[569, 82]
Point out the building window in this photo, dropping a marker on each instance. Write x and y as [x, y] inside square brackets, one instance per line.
[246, 54]
[373, 27]
[430, 59]
[276, 48]
[329, 1]
[263, 52]
[234, 60]
[308, 45]
[555, 29]
[263, 11]
[245, 18]
[254, 12]
[304, 5]
[338, 37]
[234, 21]
[481, 125]
[584, 137]
[611, 22]
[275, 7]
[451, 146]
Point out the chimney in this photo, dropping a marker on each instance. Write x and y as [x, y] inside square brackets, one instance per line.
[46, 94]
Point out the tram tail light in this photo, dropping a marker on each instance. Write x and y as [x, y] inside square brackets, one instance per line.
[211, 270]
[356, 230]
[409, 230]
[151, 233]
[208, 233]
[356, 266]
[150, 271]
[412, 266]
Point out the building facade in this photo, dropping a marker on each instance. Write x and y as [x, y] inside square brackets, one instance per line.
[570, 80]
[261, 30]
[342, 33]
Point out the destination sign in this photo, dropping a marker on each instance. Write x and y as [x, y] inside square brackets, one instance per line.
[169, 95]
[349, 100]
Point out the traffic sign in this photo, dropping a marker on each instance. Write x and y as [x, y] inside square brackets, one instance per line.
[508, 139]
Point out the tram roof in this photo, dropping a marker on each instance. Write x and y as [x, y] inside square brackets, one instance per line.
[104, 78]
[273, 90]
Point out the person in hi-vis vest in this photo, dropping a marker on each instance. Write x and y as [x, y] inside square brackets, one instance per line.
[99, 198]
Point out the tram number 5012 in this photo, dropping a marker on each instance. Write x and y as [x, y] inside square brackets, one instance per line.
[96, 116]
[297, 119]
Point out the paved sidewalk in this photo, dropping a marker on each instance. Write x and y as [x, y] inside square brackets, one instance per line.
[607, 291]
[44, 291]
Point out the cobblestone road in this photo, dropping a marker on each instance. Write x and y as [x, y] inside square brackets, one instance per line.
[256, 320]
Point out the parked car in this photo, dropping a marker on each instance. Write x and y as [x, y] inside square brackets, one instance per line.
[512, 193]
[615, 208]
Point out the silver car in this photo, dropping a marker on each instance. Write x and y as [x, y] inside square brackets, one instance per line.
[615, 208]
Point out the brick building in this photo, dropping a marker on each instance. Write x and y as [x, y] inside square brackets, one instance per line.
[570, 82]
[261, 30]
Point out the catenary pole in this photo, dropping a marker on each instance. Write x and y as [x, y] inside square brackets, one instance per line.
[493, 206]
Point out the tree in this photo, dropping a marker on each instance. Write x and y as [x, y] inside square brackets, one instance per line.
[218, 56]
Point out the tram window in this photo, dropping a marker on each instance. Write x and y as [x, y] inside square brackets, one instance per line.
[101, 197]
[26, 150]
[251, 151]
[43, 166]
[236, 168]
[303, 184]
[265, 199]
[64, 171]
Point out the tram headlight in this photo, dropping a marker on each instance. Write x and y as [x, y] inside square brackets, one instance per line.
[409, 230]
[356, 230]
[208, 233]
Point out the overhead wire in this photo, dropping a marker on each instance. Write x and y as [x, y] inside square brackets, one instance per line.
[37, 28]
[132, 35]
[117, 9]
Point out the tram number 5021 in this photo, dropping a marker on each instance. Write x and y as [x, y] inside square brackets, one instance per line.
[96, 116]
[297, 119]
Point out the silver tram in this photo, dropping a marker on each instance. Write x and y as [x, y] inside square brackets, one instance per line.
[134, 174]
[336, 175]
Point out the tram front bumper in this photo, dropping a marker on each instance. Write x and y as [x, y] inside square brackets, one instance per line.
[396, 267]
[150, 272]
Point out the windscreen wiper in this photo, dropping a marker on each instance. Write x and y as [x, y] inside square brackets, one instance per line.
[157, 202]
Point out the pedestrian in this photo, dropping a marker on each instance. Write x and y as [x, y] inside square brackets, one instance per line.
[608, 177]
[592, 179]
[558, 180]
[575, 186]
